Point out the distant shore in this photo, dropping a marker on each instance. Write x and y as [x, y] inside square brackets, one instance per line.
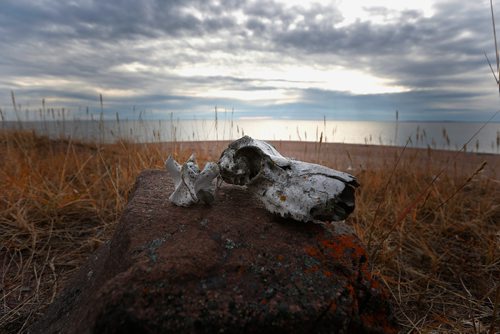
[358, 157]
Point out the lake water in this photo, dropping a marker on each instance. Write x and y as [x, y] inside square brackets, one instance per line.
[437, 135]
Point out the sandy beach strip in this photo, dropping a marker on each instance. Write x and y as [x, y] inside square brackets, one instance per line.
[358, 157]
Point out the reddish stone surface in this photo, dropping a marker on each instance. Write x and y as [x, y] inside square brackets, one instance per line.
[231, 266]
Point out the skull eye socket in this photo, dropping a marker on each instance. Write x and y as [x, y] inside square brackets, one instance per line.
[253, 159]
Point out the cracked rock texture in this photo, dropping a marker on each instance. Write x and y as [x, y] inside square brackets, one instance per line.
[231, 267]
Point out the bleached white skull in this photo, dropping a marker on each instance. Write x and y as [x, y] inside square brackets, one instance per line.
[291, 188]
[191, 185]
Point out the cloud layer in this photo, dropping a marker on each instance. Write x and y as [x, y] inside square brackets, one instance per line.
[262, 58]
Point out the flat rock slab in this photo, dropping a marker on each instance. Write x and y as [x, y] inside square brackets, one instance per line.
[231, 267]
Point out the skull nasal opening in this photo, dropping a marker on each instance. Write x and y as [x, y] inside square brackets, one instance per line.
[253, 157]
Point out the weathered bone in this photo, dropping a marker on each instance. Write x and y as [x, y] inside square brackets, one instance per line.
[291, 188]
[191, 185]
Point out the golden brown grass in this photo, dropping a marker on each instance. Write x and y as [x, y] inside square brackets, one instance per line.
[436, 247]
[434, 242]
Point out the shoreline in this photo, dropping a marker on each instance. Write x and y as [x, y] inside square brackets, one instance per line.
[360, 157]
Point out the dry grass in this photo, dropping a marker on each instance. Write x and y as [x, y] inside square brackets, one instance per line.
[435, 242]
[59, 201]
[436, 245]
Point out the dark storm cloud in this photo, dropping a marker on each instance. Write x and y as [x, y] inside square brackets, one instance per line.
[438, 58]
[104, 20]
[123, 20]
[75, 38]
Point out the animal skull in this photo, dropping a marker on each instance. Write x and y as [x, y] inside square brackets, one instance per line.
[291, 188]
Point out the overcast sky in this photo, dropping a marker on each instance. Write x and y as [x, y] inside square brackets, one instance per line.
[354, 60]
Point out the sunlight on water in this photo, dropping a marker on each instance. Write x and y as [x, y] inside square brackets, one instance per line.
[436, 135]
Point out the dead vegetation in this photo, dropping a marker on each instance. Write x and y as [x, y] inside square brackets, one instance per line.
[436, 245]
[432, 231]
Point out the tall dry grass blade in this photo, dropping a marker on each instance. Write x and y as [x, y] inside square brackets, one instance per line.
[476, 172]
[384, 191]
[406, 211]
[216, 125]
[495, 311]
[496, 44]
[13, 99]
[396, 130]
[491, 68]
[474, 135]
[112, 180]
[16, 111]
[62, 175]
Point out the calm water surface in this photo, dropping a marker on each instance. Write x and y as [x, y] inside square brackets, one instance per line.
[437, 135]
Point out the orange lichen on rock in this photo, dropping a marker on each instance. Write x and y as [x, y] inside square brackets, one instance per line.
[313, 252]
[378, 321]
[342, 246]
[327, 273]
[350, 291]
[374, 283]
[333, 306]
[346, 251]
